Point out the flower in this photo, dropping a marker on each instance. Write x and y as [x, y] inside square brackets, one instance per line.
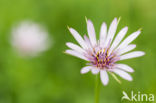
[103, 54]
[29, 38]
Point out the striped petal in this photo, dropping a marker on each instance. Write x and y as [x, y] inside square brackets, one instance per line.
[119, 37]
[86, 69]
[103, 33]
[127, 49]
[95, 70]
[78, 38]
[124, 67]
[123, 74]
[104, 77]
[87, 41]
[111, 31]
[91, 32]
[75, 47]
[74, 53]
[132, 55]
[129, 39]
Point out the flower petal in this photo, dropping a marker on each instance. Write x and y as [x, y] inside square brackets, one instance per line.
[86, 69]
[129, 39]
[119, 37]
[124, 67]
[74, 53]
[111, 31]
[78, 38]
[75, 47]
[127, 49]
[104, 77]
[103, 34]
[95, 70]
[87, 41]
[123, 74]
[91, 32]
[132, 55]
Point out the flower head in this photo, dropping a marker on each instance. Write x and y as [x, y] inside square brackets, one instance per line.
[102, 55]
[29, 38]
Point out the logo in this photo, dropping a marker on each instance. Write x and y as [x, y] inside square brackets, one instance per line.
[140, 97]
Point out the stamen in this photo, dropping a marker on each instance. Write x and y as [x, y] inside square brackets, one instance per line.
[103, 59]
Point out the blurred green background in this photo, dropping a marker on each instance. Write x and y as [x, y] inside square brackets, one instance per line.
[54, 77]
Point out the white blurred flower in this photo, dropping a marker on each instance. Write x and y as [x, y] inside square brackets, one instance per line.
[29, 38]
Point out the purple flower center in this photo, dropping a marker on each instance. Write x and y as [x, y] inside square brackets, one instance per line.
[103, 59]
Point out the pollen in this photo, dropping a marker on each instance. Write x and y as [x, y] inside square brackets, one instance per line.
[102, 59]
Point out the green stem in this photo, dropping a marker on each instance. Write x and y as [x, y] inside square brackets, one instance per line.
[97, 88]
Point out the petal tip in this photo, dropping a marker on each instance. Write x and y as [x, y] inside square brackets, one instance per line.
[81, 72]
[115, 20]
[67, 43]
[104, 77]
[86, 19]
[140, 29]
[104, 24]
[68, 27]
[119, 19]
[89, 21]
[130, 79]
[126, 27]
[66, 51]
[105, 84]
[143, 53]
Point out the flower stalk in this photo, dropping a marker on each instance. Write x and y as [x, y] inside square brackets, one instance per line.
[97, 88]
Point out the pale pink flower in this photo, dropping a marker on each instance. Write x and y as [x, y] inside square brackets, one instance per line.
[102, 55]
